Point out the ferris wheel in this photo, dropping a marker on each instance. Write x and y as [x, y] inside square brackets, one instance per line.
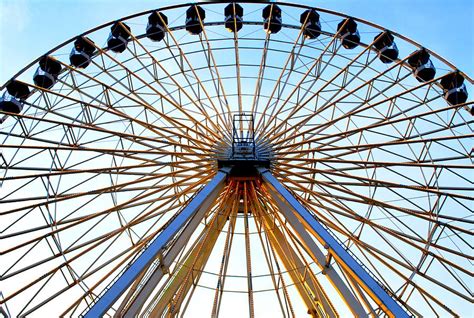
[231, 160]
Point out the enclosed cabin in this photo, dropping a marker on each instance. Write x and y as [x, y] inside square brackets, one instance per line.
[194, 16]
[423, 68]
[156, 28]
[47, 72]
[118, 38]
[349, 34]
[454, 89]
[233, 17]
[81, 53]
[272, 20]
[310, 24]
[384, 42]
[14, 97]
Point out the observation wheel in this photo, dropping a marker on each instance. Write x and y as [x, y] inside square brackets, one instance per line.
[232, 160]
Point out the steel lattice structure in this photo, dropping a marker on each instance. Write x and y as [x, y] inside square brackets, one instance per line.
[323, 168]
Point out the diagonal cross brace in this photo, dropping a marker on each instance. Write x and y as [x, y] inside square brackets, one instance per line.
[368, 283]
[206, 196]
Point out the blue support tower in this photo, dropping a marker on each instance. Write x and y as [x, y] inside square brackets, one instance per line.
[205, 197]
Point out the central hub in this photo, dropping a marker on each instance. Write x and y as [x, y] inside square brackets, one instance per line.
[246, 154]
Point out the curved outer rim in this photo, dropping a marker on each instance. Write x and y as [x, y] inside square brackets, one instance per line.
[288, 4]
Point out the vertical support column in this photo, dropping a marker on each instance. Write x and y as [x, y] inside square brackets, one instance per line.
[305, 281]
[208, 194]
[342, 256]
[136, 302]
[186, 275]
[318, 256]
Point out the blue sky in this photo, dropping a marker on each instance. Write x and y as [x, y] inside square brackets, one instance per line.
[28, 28]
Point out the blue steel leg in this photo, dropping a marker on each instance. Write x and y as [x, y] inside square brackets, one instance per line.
[318, 256]
[369, 284]
[209, 192]
[149, 286]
